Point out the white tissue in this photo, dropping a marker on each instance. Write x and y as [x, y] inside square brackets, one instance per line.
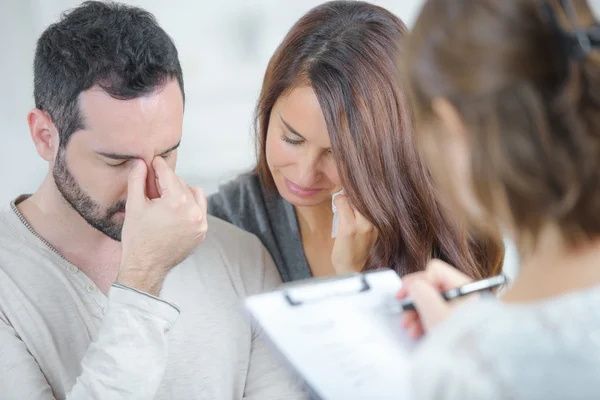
[334, 224]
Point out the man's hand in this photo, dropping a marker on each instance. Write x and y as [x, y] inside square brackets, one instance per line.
[160, 233]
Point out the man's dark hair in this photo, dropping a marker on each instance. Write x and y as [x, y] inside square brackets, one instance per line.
[118, 47]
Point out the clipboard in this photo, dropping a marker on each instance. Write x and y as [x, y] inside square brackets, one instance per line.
[342, 336]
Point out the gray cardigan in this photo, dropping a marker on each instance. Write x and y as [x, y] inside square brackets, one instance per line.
[243, 203]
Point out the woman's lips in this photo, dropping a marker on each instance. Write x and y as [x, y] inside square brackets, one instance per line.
[299, 190]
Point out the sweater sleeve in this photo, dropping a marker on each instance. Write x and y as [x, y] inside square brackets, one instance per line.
[441, 375]
[460, 359]
[126, 361]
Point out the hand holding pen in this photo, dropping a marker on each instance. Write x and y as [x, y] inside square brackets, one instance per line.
[428, 297]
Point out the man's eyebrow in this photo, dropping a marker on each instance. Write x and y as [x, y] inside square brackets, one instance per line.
[116, 156]
[170, 150]
[295, 132]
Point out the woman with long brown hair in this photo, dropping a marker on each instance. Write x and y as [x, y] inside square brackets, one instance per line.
[332, 115]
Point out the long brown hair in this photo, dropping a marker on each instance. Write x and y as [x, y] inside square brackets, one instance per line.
[532, 112]
[348, 51]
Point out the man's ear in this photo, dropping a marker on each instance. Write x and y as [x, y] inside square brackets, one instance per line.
[44, 134]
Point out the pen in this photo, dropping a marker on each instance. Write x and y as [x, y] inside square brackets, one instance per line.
[473, 287]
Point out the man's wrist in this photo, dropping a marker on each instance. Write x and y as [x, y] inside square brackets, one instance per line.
[145, 280]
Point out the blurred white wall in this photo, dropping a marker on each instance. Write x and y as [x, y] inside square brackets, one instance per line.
[224, 48]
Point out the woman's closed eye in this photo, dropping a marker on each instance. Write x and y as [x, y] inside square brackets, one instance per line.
[291, 141]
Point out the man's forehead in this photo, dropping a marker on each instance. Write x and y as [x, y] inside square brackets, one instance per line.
[156, 117]
[166, 100]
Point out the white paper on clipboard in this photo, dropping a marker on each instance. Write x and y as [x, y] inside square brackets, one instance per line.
[342, 336]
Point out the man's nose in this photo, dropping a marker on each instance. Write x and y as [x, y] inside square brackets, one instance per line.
[152, 190]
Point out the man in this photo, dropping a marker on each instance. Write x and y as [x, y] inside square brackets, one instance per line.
[108, 287]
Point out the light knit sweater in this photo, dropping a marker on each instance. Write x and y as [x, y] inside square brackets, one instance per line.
[61, 337]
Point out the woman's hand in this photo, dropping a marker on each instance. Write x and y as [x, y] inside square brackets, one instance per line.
[355, 238]
[425, 288]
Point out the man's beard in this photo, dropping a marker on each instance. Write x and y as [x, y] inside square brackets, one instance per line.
[83, 204]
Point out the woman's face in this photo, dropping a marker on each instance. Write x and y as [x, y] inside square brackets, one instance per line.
[299, 150]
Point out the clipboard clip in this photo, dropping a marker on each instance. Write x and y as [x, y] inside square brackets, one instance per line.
[297, 296]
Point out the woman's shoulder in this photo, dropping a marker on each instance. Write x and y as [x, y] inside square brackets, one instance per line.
[243, 185]
[238, 199]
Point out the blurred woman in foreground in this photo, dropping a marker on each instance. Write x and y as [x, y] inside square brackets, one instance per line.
[507, 99]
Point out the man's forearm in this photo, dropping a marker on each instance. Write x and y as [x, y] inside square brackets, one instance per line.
[128, 358]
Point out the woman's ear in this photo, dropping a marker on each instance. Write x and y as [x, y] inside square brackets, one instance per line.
[44, 134]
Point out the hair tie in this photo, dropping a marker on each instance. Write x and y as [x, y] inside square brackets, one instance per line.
[575, 45]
